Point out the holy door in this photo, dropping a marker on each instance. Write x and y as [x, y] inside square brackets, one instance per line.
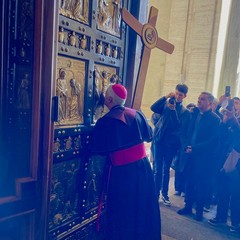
[57, 60]
[90, 56]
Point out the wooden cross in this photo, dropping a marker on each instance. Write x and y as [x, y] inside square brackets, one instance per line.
[150, 39]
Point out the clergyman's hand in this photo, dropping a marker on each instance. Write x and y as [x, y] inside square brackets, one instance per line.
[188, 149]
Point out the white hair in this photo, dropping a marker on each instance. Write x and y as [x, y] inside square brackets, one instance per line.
[116, 100]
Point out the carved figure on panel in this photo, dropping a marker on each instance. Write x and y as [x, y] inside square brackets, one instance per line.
[22, 52]
[70, 194]
[62, 93]
[105, 81]
[64, 193]
[26, 20]
[76, 9]
[109, 16]
[98, 95]
[92, 191]
[100, 48]
[103, 76]
[116, 15]
[74, 108]
[77, 142]
[70, 89]
[108, 50]
[56, 145]
[61, 35]
[72, 39]
[23, 93]
[56, 202]
[94, 184]
[68, 143]
[91, 185]
[115, 52]
[103, 13]
[83, 42]
[66, 4]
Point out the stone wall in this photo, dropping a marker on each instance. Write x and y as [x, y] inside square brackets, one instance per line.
[192, 26]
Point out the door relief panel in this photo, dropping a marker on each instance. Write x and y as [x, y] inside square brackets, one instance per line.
[64, 198]
[109, 16]
[77, 10]
[90, 57]
[70, 87]
[93, 183]
[103, 77]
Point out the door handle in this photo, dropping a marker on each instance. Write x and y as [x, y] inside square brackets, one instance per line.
[55, 109]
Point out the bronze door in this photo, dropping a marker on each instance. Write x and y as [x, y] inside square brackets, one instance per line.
[57, 59]
[90, 56]
[19, 118]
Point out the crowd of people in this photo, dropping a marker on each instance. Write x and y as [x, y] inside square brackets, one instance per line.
[201, 142]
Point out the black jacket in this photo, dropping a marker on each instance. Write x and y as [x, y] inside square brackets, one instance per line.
[170, 124]
[205, 141]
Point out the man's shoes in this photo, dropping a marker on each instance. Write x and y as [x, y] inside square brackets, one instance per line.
[166, 200]
[185, 211]
[235, 229]
[216, 222]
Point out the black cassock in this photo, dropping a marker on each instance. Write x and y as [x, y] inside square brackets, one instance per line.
[132, 205]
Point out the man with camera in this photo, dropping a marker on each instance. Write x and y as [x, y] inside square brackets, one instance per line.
[170, 118]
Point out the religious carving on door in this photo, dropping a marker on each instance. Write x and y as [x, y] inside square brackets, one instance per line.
[109, 16]
[70, 90]
[94, 184]
[71, 38]
[64, 199]
[90, 57]
[103, 77]
[23, 93]
[75, 9]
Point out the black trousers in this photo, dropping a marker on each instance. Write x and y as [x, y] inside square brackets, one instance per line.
[229, 194]
[179, 181]
[162, 160]
[197, 186]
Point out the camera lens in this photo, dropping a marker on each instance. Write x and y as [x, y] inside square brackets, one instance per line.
[172, 100]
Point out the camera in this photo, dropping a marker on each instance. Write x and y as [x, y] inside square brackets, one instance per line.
[172, 100]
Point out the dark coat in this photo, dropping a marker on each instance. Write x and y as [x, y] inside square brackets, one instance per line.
[132, 205]
[205, 143]
[171, 124]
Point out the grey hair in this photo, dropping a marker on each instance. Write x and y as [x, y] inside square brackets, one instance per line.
[116, 100]
[209, 96]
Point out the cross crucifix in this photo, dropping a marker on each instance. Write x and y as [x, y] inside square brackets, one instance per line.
[150, 39]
